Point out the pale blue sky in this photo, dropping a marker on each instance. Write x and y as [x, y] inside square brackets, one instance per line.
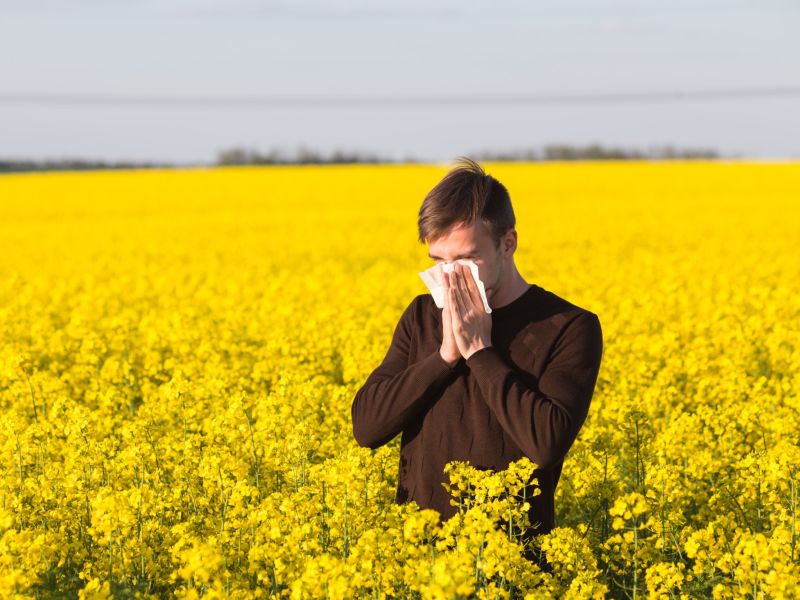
[408, 48]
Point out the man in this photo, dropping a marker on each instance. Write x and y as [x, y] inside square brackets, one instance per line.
[463, 384]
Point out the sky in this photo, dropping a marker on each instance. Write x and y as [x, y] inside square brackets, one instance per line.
[453, 51]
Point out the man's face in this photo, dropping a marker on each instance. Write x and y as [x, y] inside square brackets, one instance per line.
[473, 242]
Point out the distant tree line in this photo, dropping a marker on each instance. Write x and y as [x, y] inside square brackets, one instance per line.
[597, 152]
[73, 164]
[305, 156]
[241, 156]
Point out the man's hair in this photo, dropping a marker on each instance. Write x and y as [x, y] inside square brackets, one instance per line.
[466, 194]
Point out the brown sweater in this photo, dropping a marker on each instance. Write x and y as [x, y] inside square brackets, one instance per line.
[526, 395]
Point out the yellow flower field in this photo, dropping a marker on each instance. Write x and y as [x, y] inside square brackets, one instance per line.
[180, 349]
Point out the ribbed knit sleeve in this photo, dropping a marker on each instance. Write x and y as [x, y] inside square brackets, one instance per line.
[544, 420]
[393, 393]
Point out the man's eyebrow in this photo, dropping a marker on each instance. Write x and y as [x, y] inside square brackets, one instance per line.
[467, 253]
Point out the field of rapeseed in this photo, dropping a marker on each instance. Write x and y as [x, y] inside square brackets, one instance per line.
[179, 351]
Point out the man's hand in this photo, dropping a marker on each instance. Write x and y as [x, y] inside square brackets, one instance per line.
[471, 324]
[449, 350]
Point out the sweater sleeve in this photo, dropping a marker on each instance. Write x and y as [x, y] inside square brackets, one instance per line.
[544, 420]
[395, 390]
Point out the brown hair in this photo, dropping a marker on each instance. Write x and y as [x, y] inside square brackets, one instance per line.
[467, 193]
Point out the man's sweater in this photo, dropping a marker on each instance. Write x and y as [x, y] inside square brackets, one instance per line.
[526, 395]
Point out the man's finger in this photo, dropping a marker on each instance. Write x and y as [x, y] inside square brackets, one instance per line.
[452, 308]
[469, 280]
[470, 289]
[459, 302]
[462, 278]
[465, 292]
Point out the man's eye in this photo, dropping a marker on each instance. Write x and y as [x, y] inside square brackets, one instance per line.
[438, 260]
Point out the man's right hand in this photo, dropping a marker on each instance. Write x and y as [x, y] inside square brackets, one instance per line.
[449, 350]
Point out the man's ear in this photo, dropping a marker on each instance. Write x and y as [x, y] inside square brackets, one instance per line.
[509, 242]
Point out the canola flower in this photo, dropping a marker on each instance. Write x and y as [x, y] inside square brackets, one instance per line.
[179, 351]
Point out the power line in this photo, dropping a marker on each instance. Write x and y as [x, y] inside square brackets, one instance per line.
[202, 101]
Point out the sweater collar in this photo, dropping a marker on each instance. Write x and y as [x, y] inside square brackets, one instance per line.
[517, 303]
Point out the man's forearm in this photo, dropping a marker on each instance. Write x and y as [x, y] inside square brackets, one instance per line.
[385, 403]
[544, 419]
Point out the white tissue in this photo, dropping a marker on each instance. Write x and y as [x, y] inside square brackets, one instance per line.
[435, 281]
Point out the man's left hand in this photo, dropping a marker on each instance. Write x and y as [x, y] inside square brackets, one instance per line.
[472, 325]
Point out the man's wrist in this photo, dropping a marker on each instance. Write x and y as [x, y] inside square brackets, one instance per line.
[477, 350]
[449, 362]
